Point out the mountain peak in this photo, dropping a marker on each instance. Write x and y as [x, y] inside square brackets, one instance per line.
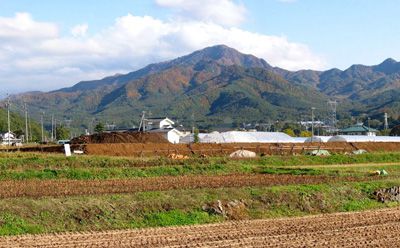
[219, 50]
[220, 47]
[389, 61]
[225, 55]
[388, 66]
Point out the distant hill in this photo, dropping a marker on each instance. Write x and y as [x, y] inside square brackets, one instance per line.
[372, 89]
[220, 86]
[18, 124]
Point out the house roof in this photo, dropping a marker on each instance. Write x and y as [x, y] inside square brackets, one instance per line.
[358, 128]
[158, 120]
[7, 133]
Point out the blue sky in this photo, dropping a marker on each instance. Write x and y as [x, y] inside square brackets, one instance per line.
[50, 44]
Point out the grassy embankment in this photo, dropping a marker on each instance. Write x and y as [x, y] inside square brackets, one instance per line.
[181, 207]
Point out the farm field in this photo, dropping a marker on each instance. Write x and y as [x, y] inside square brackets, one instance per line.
[108, 199]
[38, 188]
[359, 229]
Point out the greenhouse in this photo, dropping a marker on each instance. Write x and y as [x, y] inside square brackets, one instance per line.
[320, 139]
[363, 138]
[244, 137]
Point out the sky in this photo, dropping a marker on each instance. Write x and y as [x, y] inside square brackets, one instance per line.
[47, 44]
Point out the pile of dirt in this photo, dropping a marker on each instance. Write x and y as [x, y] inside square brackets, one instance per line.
[120, 137]
[233, 210]
[389, 194]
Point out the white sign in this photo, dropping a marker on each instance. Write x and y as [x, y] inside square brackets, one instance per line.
[67, 150]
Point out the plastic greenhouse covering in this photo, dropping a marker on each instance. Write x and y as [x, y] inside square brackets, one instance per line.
[278, 137]
[363, 138]
[318, 139]
[247, 137]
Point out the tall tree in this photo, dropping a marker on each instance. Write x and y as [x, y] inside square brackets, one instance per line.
[99, 127]
[62, 133]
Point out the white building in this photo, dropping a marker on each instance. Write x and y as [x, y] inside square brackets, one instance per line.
[9, 138]
[166, 127]
[159, 123]
[172, 135]
[358, 129]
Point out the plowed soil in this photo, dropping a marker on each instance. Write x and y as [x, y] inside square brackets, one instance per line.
[378, 228]
[153, 144]
[38, 188]
[120, 137]
[164, 149]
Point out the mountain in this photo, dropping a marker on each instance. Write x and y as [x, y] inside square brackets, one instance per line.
[371, 89]
[220, 54]
[220, 86]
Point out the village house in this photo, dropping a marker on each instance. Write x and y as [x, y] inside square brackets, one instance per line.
[9, 138]
[358, 129]
[159, 123]
[166, 127]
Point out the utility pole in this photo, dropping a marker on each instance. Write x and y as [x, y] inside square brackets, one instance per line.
[30, 128]
[41, 121]
[333, 118]
[55, 129]
[193, 122]
[52, 127]
[386, 125]
[312, 123]
[26, 124]
[142, 124]
[8, 120]
[68, 125]
[369, 126]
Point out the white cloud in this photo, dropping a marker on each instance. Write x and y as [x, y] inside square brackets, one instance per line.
[22, 26]
[34, 55]
[223, 12]
[79, 30]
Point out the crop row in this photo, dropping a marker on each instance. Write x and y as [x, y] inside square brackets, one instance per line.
[38, 188]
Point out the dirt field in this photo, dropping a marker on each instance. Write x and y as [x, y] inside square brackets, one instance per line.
[120, 137]
[153, 145]
[38, 188]
[360, 229]
[139, 150]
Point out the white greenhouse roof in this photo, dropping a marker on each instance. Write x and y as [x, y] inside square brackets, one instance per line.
[363, 138]
[299, 139]
[246, 137]
[318, 139]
